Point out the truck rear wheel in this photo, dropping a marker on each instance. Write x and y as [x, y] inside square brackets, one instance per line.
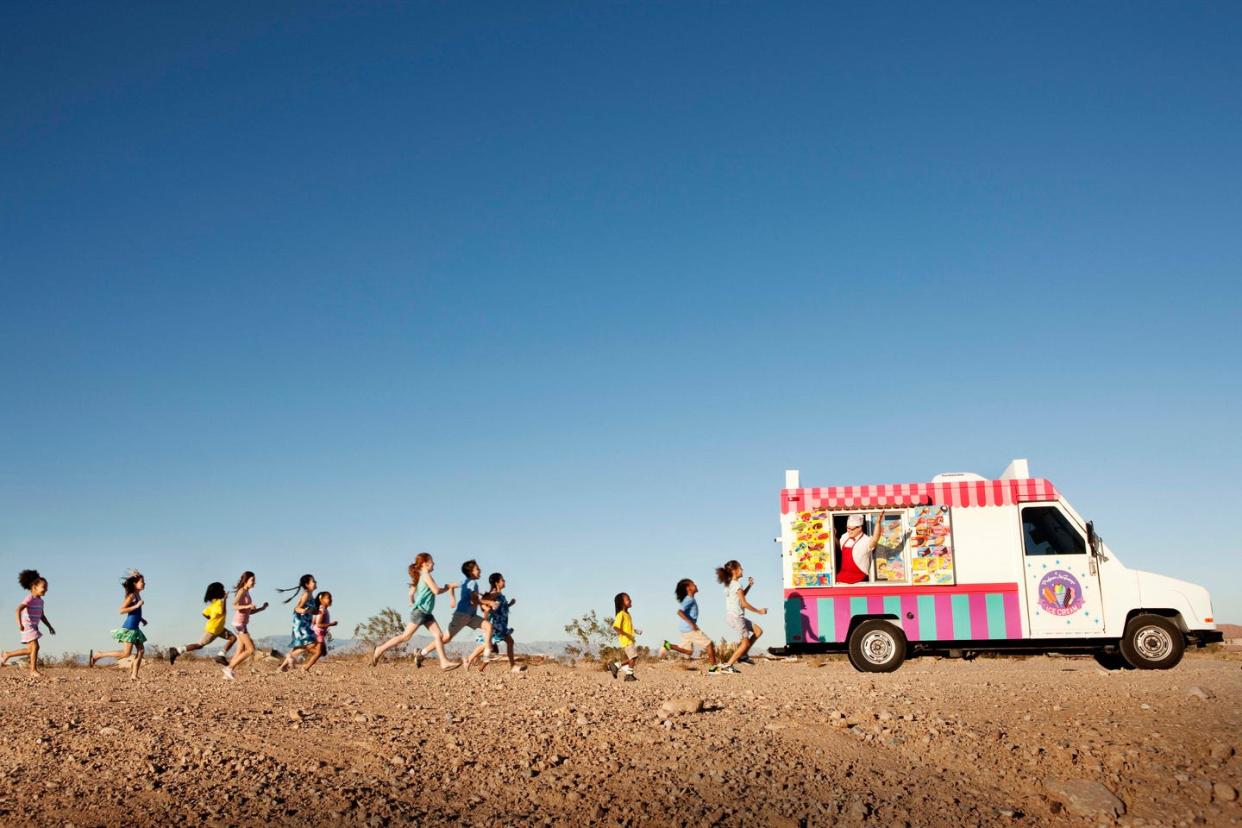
[877, 647]
[1152, 642]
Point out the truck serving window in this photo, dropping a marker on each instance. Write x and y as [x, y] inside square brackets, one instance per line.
[1046, 532]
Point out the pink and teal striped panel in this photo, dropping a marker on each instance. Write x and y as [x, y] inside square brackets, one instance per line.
[947, 613]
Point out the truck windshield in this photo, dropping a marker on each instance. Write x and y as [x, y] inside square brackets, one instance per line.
[1047, 532]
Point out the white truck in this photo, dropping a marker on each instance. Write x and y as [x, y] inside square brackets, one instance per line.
[963, 565]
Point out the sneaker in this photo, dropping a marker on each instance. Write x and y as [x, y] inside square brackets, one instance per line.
[631, 677]
[418, 659]
[518, 669]
[612, 668]
[729, 668]
[228, 673]
[222, 661]
[173, 652]
[713, 669]
[668, 645]
[745, 660]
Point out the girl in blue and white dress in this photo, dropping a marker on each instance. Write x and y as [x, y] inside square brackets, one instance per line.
[302, 639]
[129, 635]
[497, 606]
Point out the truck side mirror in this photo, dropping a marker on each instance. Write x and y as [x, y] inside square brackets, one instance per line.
[1093, 541]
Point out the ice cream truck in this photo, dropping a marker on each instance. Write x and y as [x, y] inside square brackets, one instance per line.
[964, 565]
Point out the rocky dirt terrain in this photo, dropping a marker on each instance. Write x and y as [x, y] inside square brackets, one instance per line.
[1024, 742]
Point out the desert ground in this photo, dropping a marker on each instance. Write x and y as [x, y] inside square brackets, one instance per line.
[940, 742]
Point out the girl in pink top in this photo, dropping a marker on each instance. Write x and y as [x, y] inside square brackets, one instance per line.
[243, 608]
[29, 614]
[320, 624]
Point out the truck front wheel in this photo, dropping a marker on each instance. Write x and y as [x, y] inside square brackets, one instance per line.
[1152, 642]
[877, 647]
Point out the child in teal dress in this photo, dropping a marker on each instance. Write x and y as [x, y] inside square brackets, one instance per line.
[497, 606]
[130, 635]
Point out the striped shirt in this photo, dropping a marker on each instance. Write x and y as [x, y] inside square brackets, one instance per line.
[32, 612]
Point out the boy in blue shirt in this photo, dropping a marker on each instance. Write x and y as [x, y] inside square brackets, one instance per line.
[688, 625]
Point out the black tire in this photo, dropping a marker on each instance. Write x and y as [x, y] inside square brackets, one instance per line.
[1112, 660]
[877, 647]
[1152, 642]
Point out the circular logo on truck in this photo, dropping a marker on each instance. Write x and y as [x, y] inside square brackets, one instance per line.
[1060, 593]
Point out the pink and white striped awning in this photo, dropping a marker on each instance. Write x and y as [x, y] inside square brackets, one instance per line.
[957, 494]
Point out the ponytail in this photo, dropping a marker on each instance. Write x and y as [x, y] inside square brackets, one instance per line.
[724, 574]
[416, 568]
[131, 582]
[303, 583]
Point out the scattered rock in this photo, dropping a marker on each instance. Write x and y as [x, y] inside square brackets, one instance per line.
[1200, 693]
[1086, 798]
[682, 706]
[1224, 793]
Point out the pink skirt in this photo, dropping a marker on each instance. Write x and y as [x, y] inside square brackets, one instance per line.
[30, 634]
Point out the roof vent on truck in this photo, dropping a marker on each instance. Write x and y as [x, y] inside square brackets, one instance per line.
[957, 477]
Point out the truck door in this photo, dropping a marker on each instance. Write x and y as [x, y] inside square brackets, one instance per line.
[1062, 579]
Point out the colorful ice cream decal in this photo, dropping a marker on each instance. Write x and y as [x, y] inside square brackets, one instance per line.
[811, 549]
[1060, 593]
[930, 544]
[890, 562]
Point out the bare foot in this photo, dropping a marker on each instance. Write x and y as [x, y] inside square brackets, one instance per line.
[450, 666]
[374, 657]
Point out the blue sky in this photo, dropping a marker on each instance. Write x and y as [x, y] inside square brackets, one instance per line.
[567, 287]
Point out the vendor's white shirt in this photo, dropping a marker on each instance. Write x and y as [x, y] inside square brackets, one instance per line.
[863, 547]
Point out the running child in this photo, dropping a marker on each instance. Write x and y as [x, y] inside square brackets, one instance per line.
[735, 612]
[465, 614]
[214, 598]
[498, 623]
[423, 592]
[322, 621]
[302, 638]
[29, 614]
[626, 636]
[243, 608]
[130, 636]
[688, 624]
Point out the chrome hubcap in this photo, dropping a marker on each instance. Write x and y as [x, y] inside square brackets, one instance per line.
[878, 647]
[1153, 643]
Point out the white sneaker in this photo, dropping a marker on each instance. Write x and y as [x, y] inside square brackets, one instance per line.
[228, 673]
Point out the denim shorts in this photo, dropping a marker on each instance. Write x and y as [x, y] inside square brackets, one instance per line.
[420, 618]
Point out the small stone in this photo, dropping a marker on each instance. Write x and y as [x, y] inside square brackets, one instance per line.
[108, 731]
[682, 706]
[1086, 798]
[1221, 752]
[1199, 693]
[1223, 792]
[885, 716]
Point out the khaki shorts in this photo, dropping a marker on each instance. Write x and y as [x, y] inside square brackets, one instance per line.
[461, 620]
[695, 638]
[207, 637]
[631, 651]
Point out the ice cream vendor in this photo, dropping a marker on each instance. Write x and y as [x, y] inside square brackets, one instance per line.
[856, 550]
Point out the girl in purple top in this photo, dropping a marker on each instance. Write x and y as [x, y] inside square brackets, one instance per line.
[29, 614]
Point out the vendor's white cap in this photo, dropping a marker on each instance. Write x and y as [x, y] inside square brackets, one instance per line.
[855, 520]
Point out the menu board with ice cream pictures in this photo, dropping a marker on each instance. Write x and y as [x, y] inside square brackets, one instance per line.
[890, 558]
[810, 549]
[930, 545]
